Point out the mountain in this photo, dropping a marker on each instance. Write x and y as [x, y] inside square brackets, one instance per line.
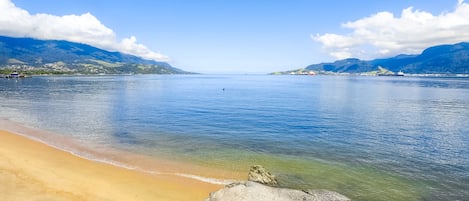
[57, 56]
[442, 59]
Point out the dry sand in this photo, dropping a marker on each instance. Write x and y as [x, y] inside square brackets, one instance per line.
[32, 171]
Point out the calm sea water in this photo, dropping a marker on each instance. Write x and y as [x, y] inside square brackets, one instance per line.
[371, 138]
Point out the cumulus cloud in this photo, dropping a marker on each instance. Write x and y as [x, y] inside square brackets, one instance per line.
[383, 34]
[84, 28]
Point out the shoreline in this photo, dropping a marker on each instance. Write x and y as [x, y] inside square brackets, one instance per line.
[123, 159]
[31, 170]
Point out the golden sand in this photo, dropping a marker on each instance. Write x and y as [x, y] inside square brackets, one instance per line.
[30, 170]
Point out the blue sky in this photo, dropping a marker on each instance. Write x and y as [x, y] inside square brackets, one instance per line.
[244, 36]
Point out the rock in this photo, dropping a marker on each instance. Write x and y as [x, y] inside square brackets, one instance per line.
[325, 195]
[257, 189]
[259, 174]
[252, 191]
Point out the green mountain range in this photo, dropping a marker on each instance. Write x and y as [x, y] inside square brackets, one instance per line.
[64, 57]
[442, 59]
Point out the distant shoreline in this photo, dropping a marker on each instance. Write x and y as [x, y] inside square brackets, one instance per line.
[372, 75]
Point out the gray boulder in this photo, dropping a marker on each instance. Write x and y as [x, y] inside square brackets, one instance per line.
[259, 174]
[252, 191]
[325, 195]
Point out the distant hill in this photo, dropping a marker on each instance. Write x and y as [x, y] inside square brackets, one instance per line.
[442, 59]
[57, 56]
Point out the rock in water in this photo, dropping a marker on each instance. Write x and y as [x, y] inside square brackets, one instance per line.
[259, 174]
[255, 190]
[251, 191]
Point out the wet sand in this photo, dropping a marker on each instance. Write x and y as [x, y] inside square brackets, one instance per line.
[30, 170]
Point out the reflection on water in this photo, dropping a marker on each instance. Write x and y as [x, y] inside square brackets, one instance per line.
[414, 128]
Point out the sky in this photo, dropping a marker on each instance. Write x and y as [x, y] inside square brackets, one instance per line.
[243, 36]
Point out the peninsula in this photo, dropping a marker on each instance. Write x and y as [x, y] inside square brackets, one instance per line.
[33, 56]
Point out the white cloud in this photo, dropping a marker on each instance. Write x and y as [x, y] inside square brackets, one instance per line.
[85, 28]
[383, 34]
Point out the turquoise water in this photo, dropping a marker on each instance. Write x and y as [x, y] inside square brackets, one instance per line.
[371, 138]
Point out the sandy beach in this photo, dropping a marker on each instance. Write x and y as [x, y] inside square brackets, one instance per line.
[30, 170]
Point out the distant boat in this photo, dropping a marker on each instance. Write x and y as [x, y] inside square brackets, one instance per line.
[400, 73]
[16, 75]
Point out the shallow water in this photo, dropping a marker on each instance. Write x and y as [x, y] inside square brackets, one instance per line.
[371, 138]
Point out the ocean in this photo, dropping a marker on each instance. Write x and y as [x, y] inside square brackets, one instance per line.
[369, 138]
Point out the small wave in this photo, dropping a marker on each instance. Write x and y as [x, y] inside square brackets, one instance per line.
[79, 154]
[122, 165]
[207, 179]
[103, 160]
